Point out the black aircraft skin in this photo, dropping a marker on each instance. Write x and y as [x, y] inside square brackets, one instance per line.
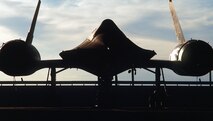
[196, 56]
[19, 57]
[106, 53]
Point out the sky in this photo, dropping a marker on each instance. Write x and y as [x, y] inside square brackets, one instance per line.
[64, 24]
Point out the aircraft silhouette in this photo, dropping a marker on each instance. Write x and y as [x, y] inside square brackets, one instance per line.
[190, 58]
[19, 57]
[106, 53]
[196, 56]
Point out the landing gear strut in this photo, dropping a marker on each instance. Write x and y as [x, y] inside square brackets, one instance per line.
[104, 95]
[158, 99]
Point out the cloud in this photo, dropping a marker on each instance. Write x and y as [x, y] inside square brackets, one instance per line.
[73, 23]
[6, 34]
[64, 24]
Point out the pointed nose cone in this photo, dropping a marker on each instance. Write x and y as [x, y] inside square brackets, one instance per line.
[110, 28]
[107, 49]
[118, 44]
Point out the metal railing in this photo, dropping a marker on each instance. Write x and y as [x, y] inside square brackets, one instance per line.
[95, 83]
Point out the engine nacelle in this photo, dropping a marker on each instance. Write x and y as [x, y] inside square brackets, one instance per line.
[195, 57]
[18, 58]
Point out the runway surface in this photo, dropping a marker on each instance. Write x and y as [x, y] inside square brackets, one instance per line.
[96, 114]
[128, 104]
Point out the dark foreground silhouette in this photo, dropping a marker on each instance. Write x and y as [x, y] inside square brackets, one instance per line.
[128, 103]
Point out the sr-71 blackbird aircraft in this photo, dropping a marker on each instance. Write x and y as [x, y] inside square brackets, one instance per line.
[108, 52]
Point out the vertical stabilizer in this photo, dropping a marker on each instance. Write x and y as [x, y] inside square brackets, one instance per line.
[29, 38]
[178, 29]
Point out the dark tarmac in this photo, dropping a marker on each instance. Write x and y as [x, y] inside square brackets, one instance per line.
[128, 104]
[94, 114]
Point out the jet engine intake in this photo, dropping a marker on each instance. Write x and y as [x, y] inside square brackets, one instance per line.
[196, 57]
[18, 58]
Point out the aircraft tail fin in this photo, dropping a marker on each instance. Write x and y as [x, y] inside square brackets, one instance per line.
[29, 38]
[178, 29]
